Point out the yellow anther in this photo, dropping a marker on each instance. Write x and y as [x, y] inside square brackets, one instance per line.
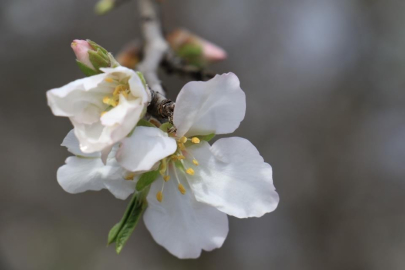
[166, 178]
[113, 102]
[110, 80]
[195, 140]
[181, 146]
[159, 196]
[195, 162]
[163, 167]
[103, 113]
[130, 176]
[73, 44]
[106, 100]
[190, 171]
[180, 157]
[182, 189]
[183, 139]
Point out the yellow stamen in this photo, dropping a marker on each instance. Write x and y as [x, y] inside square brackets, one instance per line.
[130, 176]
[159, 196]
[195, 140]
[182, 189]
[195, 162]
[166, 178]
[190, 171]
[181, 146]
[106, 100]
[74, 44]
[110, 80]
[163, 167]
[183, 139]
[180, 157]
[113, 102]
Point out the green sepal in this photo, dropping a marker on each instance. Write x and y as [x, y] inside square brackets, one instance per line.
[142, 78]
[146, 179]
[206, 138]
[190, 50]
[141, 123]
[88, 71]
[193, 54]
[144, 123]
[166, 126]
[98, 59]
[97, 47]
[121, 231]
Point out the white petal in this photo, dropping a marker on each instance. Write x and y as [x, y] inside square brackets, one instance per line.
[82, 174]
[233, 177]
[181, 224]
[215, 106]
[72, 144]
[145, 147]
[80, 99]
[105, 153]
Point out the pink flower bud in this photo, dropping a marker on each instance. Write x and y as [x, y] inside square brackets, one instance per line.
[81, 49]
[210, 52]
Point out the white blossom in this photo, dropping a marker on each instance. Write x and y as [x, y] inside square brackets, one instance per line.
[103, 108]
[84, 172]
[199, 183]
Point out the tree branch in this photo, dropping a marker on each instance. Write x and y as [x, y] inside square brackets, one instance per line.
[155, 45]
[154, 50]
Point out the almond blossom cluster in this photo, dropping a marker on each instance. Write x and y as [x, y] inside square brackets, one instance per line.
[183, 186]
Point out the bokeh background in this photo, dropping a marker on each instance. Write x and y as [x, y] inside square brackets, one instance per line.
[325, 106]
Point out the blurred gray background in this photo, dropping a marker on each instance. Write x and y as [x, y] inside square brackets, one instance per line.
[325, 106]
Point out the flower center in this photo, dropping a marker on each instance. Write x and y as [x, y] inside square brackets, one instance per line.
[175, 163]
[121, 87]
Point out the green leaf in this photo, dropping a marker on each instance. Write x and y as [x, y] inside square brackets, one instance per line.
[98, 59]
[112, 235]
[146, 179]
[144, 123]
[137, 199]
[130, 224]
[165, 126]
[88, 71]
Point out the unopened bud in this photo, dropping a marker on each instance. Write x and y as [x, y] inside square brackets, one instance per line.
[91, 57]
[81, 49]
[194, 49]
